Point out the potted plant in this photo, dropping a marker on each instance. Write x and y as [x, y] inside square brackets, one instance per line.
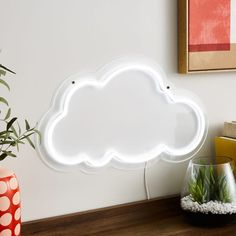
[12, 135]
[208, 196]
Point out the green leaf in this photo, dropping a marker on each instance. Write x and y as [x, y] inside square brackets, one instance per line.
[19, 129]
[212, 178]
[3, 100]
[30, 142]
[8, 114]
[27, 126]
[7, 69]
[14, 131]
[15, 143]
[8, 142]
[5, 132]
[26, 136]
[9, 153]
[7, 137]
[5, 84]
[10, 123]
[2, 72]
[3, 156]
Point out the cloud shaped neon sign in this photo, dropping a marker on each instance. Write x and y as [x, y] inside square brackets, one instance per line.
[125, 114]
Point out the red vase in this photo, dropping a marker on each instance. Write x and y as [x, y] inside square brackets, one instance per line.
[10, 211]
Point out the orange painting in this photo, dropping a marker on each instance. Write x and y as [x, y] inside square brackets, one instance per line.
[211, 34]
[209, 25]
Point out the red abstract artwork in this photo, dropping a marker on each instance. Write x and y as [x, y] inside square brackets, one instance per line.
[209, 25]
[207, 35]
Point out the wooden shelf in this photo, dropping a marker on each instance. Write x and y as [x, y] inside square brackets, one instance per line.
[156, 217]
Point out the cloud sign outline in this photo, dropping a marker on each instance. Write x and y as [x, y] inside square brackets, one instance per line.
[99, 80]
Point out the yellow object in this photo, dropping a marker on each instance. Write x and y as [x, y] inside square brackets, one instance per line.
[226, 147]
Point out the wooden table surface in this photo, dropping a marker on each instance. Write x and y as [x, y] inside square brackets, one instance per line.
[150, 218]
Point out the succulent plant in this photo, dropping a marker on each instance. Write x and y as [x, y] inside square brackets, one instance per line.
[207, 184]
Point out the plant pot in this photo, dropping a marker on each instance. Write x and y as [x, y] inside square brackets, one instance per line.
[10, 211]
[208, 196]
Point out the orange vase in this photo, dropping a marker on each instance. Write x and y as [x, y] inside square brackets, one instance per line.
[10, 211]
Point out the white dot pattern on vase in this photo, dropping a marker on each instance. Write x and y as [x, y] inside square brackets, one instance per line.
[6, 219]
[6, 232]
[13, 183]
[10, 210]
[17, 229]
[17, 214]
[3, 187]
[16, 198]
[4, 203]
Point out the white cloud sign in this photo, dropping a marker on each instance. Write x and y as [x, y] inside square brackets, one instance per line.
[125, 114]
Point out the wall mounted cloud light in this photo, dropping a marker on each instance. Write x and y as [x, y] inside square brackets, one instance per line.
[125, 115]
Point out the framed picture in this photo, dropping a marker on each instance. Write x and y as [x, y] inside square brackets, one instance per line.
[207, 35]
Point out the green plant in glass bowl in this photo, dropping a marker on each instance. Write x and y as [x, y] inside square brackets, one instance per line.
[209, 194]
[206, 185]
[12, 135]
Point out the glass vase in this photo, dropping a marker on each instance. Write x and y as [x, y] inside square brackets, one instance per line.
[208, 196]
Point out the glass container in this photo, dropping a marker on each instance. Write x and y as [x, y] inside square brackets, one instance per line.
[208, 196]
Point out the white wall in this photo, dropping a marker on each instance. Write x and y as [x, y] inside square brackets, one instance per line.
[46, 41]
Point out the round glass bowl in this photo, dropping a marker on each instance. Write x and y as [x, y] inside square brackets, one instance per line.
[208, 196]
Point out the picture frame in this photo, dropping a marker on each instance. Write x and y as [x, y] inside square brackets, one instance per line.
[206, 36]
